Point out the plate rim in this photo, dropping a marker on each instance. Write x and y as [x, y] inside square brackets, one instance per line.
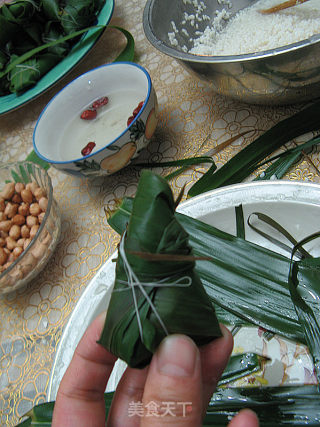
[78, 52]
[306, 188]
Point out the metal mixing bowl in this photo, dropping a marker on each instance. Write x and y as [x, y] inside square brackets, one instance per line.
[279, 76]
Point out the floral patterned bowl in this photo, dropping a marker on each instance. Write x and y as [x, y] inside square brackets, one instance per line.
[99, 122]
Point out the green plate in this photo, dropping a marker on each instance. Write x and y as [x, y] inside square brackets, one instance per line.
[79, 50]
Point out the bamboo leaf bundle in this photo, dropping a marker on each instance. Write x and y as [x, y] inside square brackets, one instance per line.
[245, 279]
[156, 291]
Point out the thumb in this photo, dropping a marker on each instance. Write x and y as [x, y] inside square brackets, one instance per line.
[173, 389]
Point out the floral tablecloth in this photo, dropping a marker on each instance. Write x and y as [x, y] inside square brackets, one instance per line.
[192, 120]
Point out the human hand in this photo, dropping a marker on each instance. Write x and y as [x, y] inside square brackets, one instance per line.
[173, 390]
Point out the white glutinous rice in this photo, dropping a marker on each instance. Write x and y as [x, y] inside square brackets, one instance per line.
[250, 31]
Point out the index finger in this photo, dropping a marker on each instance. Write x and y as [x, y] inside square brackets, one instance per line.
[80, 399]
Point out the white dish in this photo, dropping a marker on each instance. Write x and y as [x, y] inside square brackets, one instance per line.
[294, 205]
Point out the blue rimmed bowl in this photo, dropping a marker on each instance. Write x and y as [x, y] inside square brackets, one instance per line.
[99, 122]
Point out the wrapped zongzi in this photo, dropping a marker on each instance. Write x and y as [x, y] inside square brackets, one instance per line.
[156, 291]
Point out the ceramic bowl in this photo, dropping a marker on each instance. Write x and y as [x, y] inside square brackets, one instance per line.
[15, 272]
[111, 109]
[280, 76]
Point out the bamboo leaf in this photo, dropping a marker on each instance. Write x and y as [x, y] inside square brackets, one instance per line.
[128, 52]
[182, 162]
[153, 298]
[301, 252]
[245, 279]
[240, 365]
[304, 285]
[295, 406]
[280, 167]
[240, 222]
[286, 160]
[247, 160]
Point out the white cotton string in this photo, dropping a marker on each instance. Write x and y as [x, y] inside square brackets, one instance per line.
[182, 282]
[133, 282]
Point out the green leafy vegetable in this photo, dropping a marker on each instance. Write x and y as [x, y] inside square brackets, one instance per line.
[35, 35]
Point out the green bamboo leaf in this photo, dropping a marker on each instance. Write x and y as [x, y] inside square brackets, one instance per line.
[240, 222]
[128, 52]
[181, 162]
[286, 160]
[280, 167]
[154, 298]
[261, 295]
[32, 157]
[248, 159]
[295, 406]
[301, 252]
[304, 285]
[241, 365]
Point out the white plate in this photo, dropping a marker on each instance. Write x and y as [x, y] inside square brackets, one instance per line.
[294, 205]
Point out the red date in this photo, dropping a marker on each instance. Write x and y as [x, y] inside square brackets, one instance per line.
[88, 114]
[135, 112]
[100, 102]
[88, 148]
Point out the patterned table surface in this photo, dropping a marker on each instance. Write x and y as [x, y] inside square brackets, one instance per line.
[192, 120]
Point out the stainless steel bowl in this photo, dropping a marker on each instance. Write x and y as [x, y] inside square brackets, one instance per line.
[279, 76]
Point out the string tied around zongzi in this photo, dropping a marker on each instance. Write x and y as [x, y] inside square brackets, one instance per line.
[133, 282]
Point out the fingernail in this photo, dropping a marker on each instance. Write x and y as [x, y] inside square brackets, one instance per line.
[177, 356]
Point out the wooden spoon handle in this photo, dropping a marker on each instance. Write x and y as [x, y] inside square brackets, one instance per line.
[282, 6]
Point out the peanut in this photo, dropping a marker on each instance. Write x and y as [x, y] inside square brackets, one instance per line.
[33, 230]
[2, 204]
[35, 209]
[15, 232]
[18, 219]
[31, 221]
[11, 243]
[5, 225]
[16, 198]
[22, 210]
[41, 216]
[39, 193]
[26, 244]
[8, 191]
[11, 209]
[20, 242]
[32, 186]
[26, 195]
[25, 231]
[43, 203]
[17, 251]
[3, 256]
[19, 187]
